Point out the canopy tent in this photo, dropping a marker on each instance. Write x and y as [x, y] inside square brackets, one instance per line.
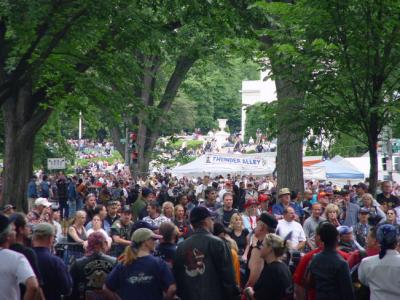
[258, 164]
[223, 164]
[338, 168]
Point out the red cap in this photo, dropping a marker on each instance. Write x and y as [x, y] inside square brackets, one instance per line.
[263, 198]
[250, 202]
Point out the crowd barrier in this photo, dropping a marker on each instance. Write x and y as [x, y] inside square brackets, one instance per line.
[69, 252]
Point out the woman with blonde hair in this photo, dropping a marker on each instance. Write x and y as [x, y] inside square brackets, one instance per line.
[77, 231]
[141, 275]
[239, 233]
[376, 214]
[275, 281]
[168, 210]
[331, 213]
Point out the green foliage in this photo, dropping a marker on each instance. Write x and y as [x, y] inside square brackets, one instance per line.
[215, 88]
[264, 117]
[194, 144]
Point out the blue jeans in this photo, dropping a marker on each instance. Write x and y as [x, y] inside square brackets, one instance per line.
[79, 204]
[72, 208]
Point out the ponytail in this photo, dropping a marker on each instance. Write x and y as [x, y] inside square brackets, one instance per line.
[130, 254]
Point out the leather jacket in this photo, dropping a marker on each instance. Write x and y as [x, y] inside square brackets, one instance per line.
[203, 269]
[89, 273]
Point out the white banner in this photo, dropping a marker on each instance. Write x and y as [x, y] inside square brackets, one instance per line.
[241, 160]
[56, 163]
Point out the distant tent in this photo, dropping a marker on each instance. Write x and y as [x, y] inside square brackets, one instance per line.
[339, 168]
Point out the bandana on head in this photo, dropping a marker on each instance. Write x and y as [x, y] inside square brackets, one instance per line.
[386, 236]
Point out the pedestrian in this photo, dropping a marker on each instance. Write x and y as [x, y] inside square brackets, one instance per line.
[266, 223]
[225, 213]
[381, 272]
[22, 238]
[310, 226]
[275, 281]
[167, 247]
[14, 267]
[121, 230]
[89, 272]
[32, 192]
[56, 278]
[141, 275]
[40, 213]
[288, 226]
[203, 266]
[328, 272]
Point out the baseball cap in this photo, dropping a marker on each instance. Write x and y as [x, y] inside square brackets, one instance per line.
[283, 191]
[4, 222]
[42, 201]
[143, 224]
[8, 207]
[268, 220]
[329, 190]
[250, 202]
[198, 214]
[146, 192]
[43, 229]
[344, 229]
[143, 234]
[126, 209]
[263, 197]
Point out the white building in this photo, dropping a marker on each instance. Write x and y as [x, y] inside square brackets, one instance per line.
[256, 91]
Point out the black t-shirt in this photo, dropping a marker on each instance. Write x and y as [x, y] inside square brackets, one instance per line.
[227, 215]
[240, 240]
[274, 283]
[391, 202]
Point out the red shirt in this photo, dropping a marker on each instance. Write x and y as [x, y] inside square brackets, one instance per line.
[298, 276]
[355, 257]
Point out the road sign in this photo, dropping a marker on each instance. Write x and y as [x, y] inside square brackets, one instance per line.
[56, 163]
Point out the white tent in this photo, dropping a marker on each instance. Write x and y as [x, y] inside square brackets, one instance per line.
[222, 164]
[257, 164]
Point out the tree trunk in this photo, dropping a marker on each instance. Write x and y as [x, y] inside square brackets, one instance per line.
[116, 137]
[373, 160]
[289, 160]
[22, 120]
[149, 131]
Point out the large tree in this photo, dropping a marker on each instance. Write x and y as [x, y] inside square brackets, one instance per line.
[43, 51]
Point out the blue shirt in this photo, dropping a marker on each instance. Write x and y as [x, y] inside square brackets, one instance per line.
[277, 209]
[71, 192]
[55, 276]
[32, 190]
[144, 279]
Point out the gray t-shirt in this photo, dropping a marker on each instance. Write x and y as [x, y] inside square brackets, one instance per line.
[310, 226]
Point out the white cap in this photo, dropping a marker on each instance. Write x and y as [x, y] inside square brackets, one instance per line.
[42, 201]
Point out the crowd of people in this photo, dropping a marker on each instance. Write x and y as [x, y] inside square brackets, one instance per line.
[108, 236]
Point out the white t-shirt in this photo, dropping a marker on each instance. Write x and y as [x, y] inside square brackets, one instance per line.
[284, 228]
[14, 270]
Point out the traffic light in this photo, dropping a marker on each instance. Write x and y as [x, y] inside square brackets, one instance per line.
[134, 153]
